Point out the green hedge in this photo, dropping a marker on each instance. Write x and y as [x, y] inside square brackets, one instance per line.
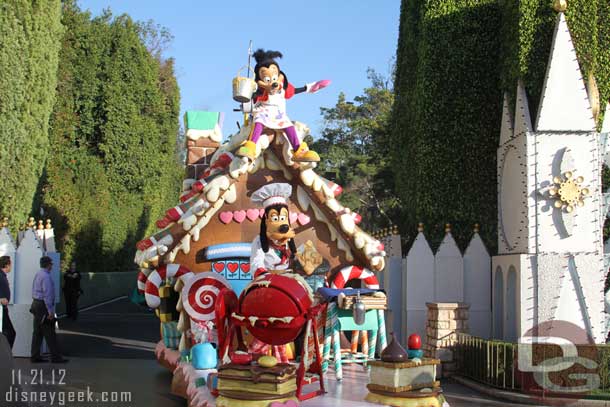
[455, 59]
[527, 33]
[113, 165]
[30, 35]
[446, 118]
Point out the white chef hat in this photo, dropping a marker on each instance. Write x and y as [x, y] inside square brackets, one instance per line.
[272, 194]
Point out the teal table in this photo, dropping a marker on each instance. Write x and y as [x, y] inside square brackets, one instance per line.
[338, 320]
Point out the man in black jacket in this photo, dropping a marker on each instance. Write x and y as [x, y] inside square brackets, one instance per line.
[72, 291]
[5, 298]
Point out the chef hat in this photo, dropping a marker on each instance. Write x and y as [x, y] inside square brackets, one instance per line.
[272, 194]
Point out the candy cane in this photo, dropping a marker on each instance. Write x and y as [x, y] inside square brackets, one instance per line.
[222, 162]
[164, 237]
[142, 277]
[151, 290]
[354, 272]
[200, 293]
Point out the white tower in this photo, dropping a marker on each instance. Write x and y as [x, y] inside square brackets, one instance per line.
[550, 265]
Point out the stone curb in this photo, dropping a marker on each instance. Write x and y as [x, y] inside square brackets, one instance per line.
[521, 398]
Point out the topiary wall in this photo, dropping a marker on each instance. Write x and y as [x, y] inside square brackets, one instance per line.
[455, 59]
[446, 117]
[30, 35]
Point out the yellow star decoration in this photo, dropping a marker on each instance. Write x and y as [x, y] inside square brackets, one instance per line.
[568, 192]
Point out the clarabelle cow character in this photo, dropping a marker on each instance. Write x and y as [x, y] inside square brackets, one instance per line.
[269, 109]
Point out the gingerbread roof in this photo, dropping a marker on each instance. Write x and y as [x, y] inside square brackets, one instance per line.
[203, 198]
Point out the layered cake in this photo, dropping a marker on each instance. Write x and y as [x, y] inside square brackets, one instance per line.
[254, 385]
[398, 381]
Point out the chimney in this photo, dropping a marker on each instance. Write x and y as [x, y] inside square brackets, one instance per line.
[203, 136]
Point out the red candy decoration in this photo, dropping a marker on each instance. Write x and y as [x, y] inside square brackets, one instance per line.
[414, 342]
[240, 358]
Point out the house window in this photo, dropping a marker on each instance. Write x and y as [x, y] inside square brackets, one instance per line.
[232, 261]
[236, 271]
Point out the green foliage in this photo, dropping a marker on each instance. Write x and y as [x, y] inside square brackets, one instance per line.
[446, 118]
[455, 59]
[527, 33]
[354, 150]
[112, 167]
[30, 34]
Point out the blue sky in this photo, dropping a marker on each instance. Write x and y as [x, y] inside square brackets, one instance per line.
[329, 39]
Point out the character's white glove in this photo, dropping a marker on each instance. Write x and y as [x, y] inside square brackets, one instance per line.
[316, 86]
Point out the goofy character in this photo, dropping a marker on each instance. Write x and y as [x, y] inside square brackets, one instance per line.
[269, 109]
[273, 250]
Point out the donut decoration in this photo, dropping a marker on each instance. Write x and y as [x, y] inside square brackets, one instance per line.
[200, 294]
[157, 277]
[355, 273]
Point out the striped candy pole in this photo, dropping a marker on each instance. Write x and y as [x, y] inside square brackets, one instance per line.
[383, 341]
[328, 335]
[372, 347]
[142, 277]
[355, 273]
[337, 344]
[157, 278]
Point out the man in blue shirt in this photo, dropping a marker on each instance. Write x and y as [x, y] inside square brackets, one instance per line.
[43, 308]
[5, 298]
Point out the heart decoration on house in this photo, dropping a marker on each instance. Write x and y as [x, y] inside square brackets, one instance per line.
[239, 216]
[245, 267]
[226, 217]
[219, 267]
[303, 219]
[232, 266]
[293, 217]
[252, 214]
[261, 212]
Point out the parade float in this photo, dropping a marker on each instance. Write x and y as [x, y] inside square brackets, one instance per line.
[238, 271]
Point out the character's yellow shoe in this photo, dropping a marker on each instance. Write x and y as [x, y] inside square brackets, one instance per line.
[248, 149]
[304, 154]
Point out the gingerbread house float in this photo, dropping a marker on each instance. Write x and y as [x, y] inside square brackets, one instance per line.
[211, 229]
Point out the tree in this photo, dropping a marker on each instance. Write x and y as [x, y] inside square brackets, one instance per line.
[112, 168]
[354, 150]
[30, 34]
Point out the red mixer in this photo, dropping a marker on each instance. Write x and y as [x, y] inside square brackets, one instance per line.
[275, 308]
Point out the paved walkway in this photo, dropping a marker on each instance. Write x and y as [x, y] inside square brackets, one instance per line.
[110, 349]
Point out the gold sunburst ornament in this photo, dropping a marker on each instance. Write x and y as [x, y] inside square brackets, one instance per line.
[568, 192]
